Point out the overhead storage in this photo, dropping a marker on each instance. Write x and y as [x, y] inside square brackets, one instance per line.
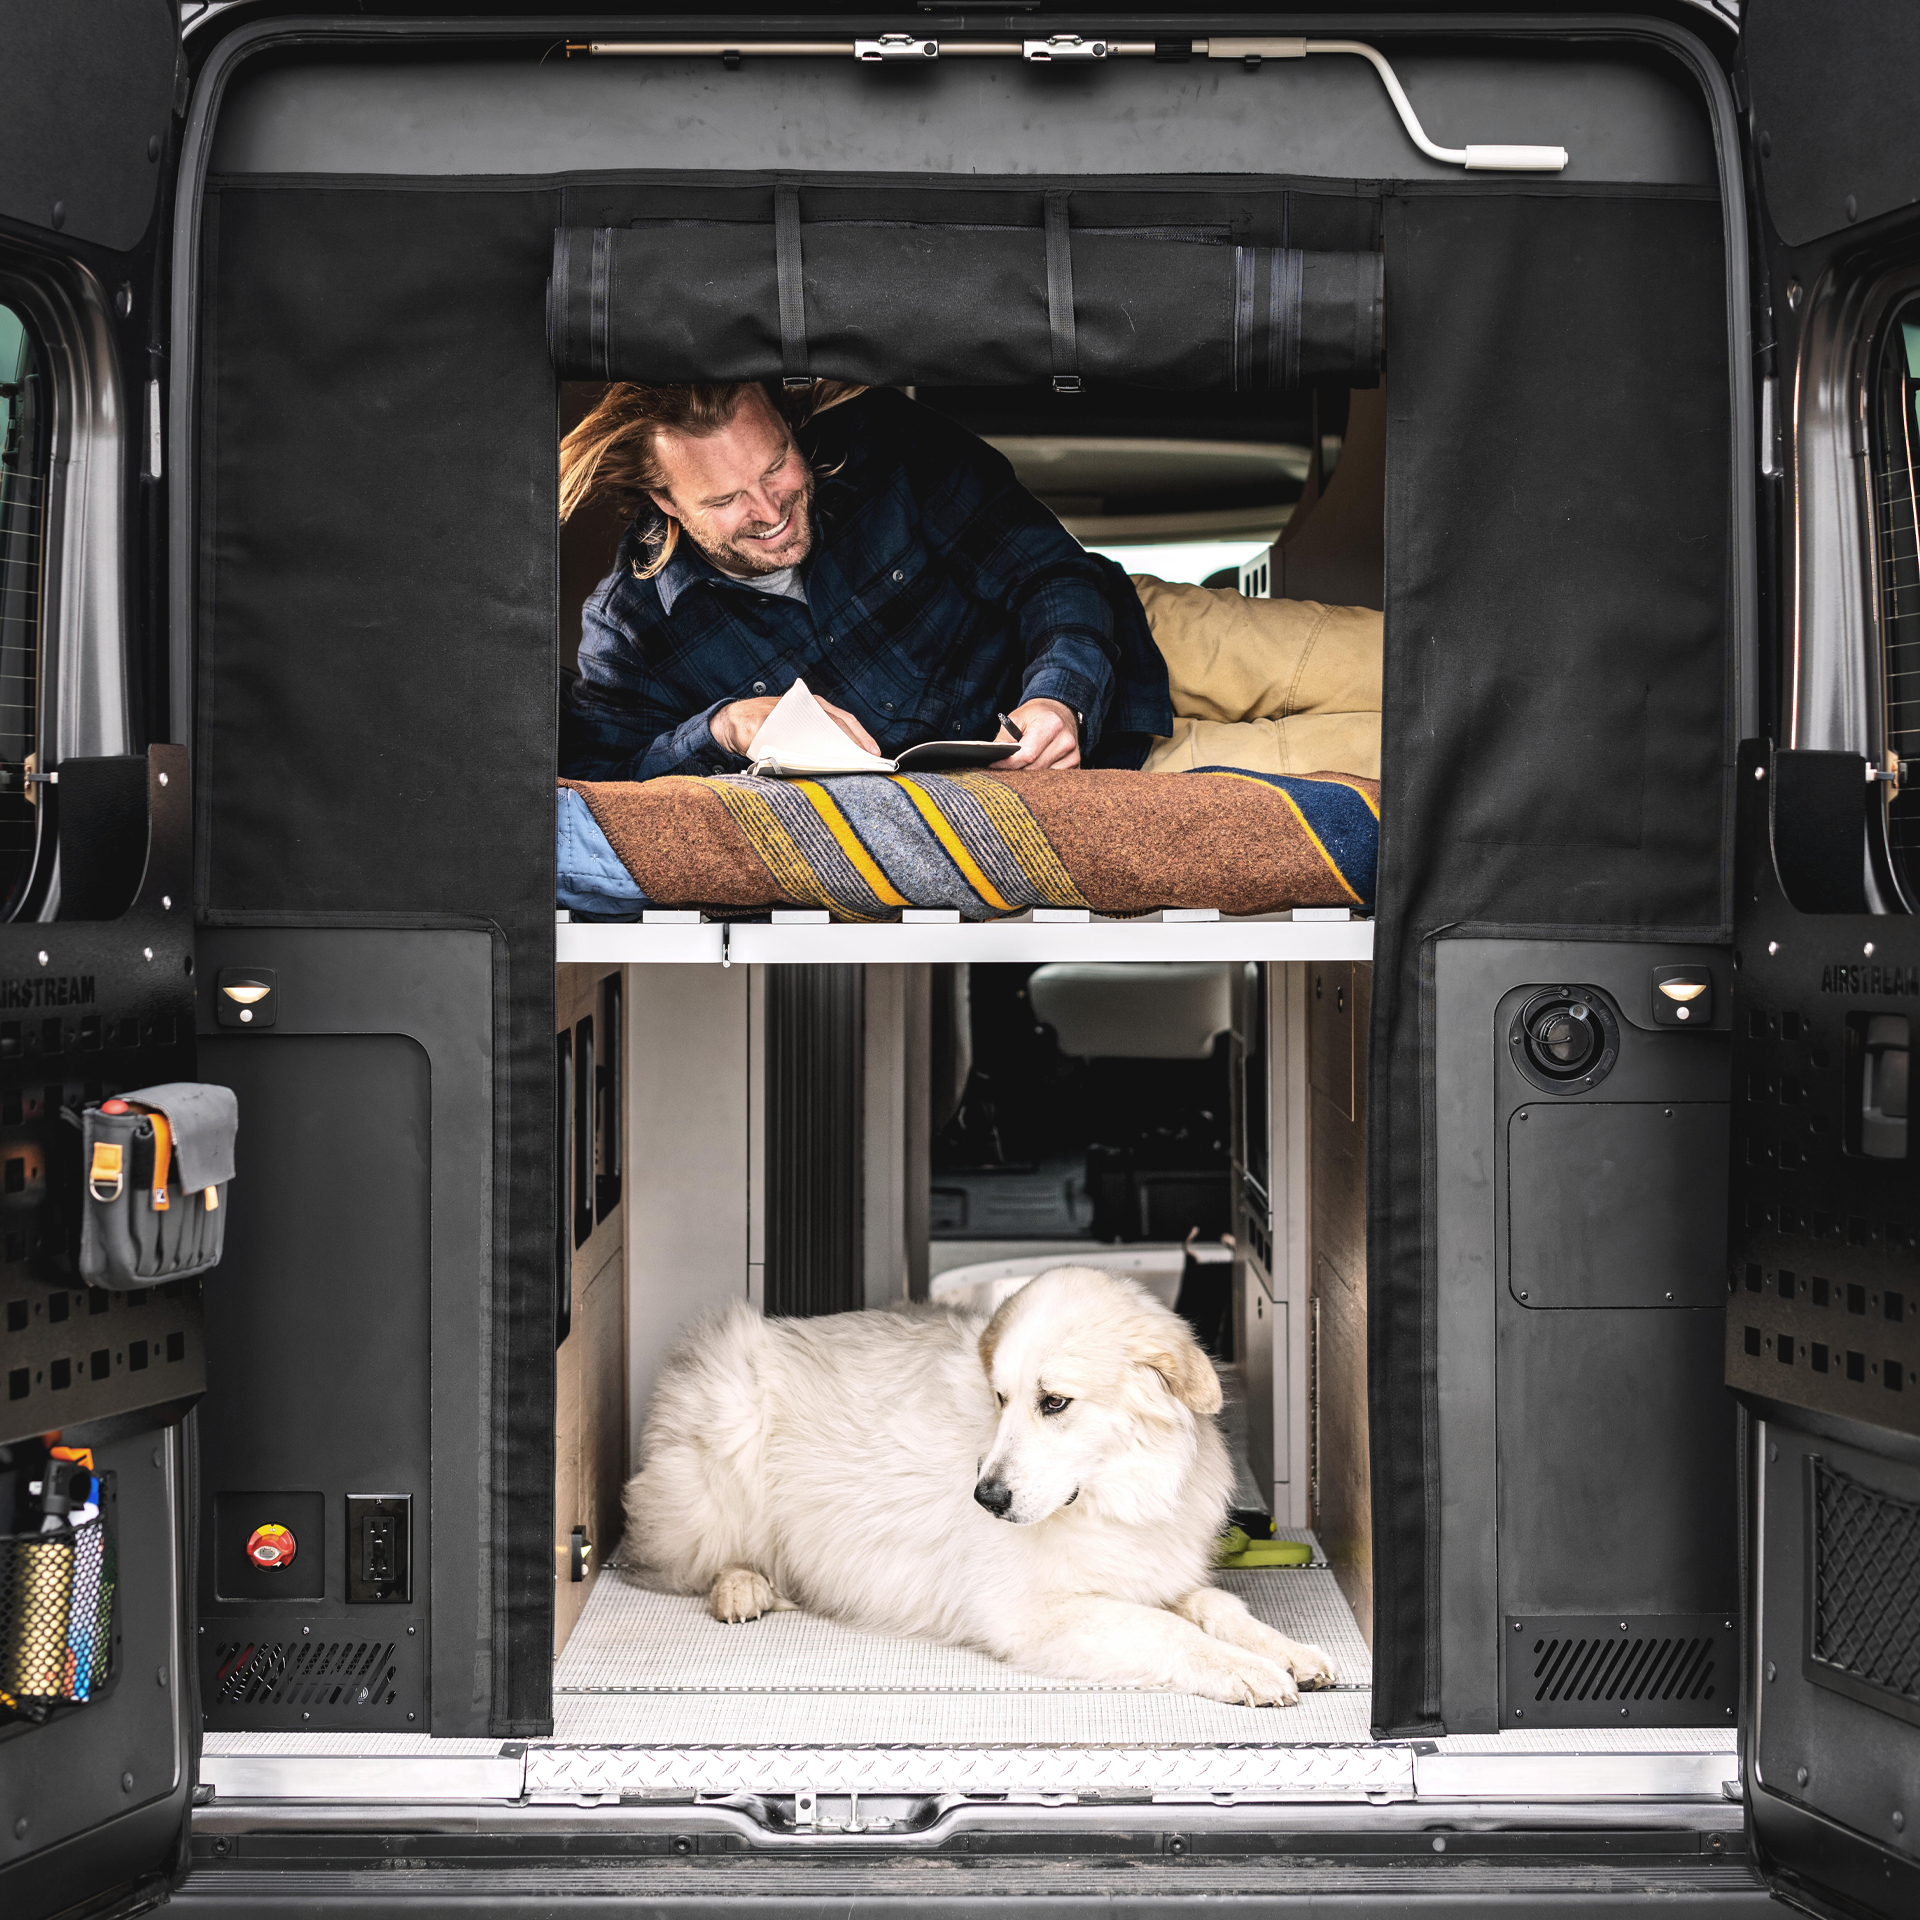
[971, 289]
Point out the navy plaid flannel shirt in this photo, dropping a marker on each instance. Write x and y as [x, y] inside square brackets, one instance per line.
[939, 593]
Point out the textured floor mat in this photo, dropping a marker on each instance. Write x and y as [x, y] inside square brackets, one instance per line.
[657, 1667]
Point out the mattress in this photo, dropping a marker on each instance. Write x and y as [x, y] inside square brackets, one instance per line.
[868, 846]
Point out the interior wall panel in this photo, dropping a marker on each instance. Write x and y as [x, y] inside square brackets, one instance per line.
[375, 737]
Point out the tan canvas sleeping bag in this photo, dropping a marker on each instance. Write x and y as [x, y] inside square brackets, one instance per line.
[1275, 686]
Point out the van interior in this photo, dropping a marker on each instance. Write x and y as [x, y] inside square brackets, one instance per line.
[840, 1215]
[1471, 1321]
[828, 1135]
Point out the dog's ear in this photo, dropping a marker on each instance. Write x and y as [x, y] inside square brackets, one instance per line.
[989, 1339]
[1187, 1371]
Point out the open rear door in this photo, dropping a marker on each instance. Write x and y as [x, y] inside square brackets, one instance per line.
[1823, 1349]
[98, 1726]
[1823, 1322]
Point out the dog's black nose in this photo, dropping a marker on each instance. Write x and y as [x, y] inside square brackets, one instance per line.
[995, 1495]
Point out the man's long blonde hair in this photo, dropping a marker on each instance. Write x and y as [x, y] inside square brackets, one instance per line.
[613, 454]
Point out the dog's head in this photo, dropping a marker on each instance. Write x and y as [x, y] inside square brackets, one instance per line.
[1100, 1390]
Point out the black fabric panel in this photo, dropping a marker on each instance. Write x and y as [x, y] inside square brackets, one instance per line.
[1320, 216]
[376, 673]
[894, 303]
[1556, 737]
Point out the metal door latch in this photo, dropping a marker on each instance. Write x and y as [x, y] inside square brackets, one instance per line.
[897, 46]
[1063, 46]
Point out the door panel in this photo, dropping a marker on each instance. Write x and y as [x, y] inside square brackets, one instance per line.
[1833, 110]
[1824, 1288]
[94, 1790]
[86, 114]
[96, 1797]
[1837, 1706]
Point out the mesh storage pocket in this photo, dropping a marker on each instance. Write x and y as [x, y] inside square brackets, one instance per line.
[1863, 1616]
[56, 1617]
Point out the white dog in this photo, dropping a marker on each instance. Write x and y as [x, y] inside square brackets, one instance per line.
[1047, 1485]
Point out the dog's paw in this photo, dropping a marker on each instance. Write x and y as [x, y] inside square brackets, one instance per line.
[1244, 1679]
[741, 1594]
[1311, 1667]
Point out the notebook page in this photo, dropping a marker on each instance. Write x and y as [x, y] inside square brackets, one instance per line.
[799, 737]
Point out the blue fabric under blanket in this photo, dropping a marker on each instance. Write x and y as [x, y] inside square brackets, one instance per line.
[592, 884]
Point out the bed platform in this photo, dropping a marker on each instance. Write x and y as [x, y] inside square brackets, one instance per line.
[1306, 933]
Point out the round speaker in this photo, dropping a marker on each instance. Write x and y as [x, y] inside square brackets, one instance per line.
[1565, 1039]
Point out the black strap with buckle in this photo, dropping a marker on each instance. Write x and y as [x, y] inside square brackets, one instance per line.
[793, 298]
[1066, 347]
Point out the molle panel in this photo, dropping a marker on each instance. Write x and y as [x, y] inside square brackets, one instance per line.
[1820, 1345]
[1824, 1280]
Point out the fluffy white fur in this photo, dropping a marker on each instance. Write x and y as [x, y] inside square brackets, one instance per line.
[831, 1464]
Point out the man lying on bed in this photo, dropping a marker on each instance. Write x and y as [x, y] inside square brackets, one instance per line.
[880, 553]
[893, 561]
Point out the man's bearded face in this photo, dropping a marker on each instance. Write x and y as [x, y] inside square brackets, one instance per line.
[744, 494]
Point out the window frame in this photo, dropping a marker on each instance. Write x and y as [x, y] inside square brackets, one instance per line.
[86, 598]
[1894, 747]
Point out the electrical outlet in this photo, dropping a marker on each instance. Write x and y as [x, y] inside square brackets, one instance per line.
[379, 1547]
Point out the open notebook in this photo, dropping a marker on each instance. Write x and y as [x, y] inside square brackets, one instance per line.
[798, 740]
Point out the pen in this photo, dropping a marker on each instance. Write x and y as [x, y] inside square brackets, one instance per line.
[1011, 725]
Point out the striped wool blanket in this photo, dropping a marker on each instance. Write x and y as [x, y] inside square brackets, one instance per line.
[866, 845]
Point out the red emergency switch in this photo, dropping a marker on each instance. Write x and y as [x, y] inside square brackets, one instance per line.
[271, 1547]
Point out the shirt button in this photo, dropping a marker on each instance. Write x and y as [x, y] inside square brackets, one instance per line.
[759, 686]
[888, 704]
[899, 574]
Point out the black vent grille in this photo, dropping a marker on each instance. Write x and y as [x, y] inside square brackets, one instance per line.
[1598, 1670]
[308, 1673]
[1864, 1622]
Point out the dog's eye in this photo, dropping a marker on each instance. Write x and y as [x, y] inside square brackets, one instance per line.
[1001, 1398]
[1054, 1403]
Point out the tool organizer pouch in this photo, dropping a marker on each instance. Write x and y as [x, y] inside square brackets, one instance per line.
[156, 1175]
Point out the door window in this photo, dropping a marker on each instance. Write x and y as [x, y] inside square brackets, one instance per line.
[23, 476]
[1896, 466]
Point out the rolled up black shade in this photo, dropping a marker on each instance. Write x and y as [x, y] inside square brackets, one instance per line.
[890, 302]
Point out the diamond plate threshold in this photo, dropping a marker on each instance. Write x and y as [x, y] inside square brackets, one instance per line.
[786, 1785]
[1224, 1775]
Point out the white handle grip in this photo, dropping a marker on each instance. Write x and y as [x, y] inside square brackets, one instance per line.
[1497, 159]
